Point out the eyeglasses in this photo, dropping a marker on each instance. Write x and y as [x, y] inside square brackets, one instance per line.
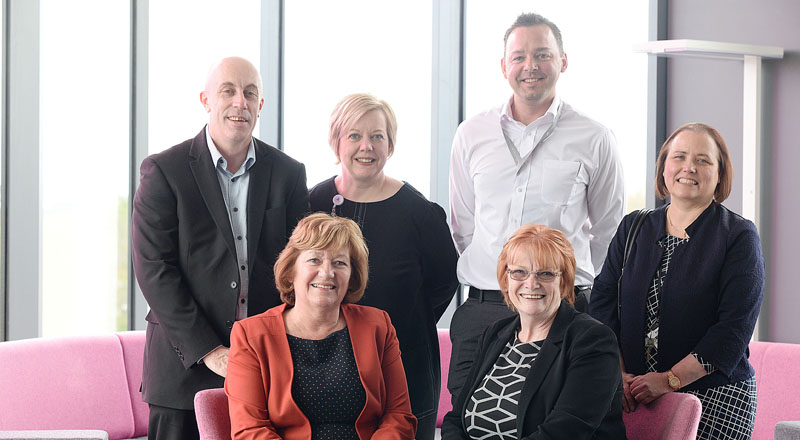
[542, 276]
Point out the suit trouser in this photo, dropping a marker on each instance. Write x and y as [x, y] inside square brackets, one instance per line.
[172, 424]
[470, 320]
[426, 427]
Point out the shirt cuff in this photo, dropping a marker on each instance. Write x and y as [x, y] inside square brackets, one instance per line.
[200, 362]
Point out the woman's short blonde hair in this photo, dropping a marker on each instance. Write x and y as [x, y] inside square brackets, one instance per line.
[322, 231]
[548, 249]
[352, 108]
[724, 166]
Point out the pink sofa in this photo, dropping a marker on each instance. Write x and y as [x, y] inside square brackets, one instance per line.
[778, 398]
[445, 400]
[778, 383]
[673, 416]
[73, 383]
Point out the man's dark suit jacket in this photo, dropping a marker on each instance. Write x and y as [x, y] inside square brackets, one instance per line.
[573, 390]
[185, 259]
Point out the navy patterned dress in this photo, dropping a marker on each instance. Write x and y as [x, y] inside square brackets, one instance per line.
[729, 411]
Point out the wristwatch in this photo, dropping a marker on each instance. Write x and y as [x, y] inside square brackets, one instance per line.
[673, 381]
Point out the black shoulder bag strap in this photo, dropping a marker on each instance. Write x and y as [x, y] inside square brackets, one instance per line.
[629, 240]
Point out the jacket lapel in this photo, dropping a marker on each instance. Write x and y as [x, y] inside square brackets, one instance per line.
[493, 351]
[496, 347]
[205, 176]
[550, 351]
[257, 193]
[640, 269]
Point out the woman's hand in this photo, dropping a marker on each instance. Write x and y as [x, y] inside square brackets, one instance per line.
[628, 402]
[649, 387]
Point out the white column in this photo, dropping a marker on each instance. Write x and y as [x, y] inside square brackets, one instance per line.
[751, 138]
[24, 221]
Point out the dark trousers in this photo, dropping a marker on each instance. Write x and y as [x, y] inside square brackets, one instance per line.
[171, 424]
[426, 427]
[470, 320]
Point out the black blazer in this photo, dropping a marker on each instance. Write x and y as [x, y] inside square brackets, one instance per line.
[185, 259]
[711, 298]
[573, 390]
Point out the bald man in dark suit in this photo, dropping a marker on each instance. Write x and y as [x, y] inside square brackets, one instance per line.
[209, 218]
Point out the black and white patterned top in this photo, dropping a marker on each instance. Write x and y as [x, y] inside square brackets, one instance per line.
[668, 243]
[492, 410]
[729, 411]
[326, 385]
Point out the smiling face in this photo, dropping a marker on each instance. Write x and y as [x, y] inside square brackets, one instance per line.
[233, 101]
[364, 148]
[691, 170]
[321, 278]
[532, 64]
[532, 298]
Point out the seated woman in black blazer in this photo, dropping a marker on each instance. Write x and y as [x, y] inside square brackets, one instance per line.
[549, 372]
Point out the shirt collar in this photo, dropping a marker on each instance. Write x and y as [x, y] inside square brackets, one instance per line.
[549, 115]
[216, 155]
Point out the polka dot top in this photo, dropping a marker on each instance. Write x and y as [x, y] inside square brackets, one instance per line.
[326, 385]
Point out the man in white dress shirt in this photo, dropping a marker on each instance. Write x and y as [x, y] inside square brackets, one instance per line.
[533, 159]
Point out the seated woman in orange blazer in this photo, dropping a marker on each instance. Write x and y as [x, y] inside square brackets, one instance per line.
[318, 366]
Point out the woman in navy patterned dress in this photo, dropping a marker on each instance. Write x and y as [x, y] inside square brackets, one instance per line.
[691, 290]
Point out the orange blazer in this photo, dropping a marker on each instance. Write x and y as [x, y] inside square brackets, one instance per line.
[260, 374]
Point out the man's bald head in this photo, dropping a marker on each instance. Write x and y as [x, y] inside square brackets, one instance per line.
[232, 62]
[232, 98]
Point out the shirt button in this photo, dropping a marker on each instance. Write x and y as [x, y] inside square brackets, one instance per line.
[235, 209]
[519, 190]
[242, 266]
[233, 284]
[234, 179]
[238, 237]
[242, 300]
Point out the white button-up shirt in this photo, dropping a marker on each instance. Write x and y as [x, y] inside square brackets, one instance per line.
[562, 170]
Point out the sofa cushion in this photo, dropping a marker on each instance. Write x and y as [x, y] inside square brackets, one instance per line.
[787, 431]
[777, 385]
[133, 352]
[65, 383]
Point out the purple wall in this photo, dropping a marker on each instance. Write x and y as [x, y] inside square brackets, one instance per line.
[711, 91]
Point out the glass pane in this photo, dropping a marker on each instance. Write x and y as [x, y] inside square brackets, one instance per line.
[84, 132]
[604, 78]
[351, 46]
[186, 38]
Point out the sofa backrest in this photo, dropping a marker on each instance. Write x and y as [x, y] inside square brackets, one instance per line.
[211, 410]
[68, 383]
[777, 383]
[132, 353]
[445, 349]
[673, 416]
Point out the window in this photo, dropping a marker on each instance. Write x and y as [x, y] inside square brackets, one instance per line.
[604, 78]
[84, 133]
[352, 46]
[186, 38]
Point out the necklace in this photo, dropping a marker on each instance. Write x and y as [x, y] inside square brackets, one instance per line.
[669, 220]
